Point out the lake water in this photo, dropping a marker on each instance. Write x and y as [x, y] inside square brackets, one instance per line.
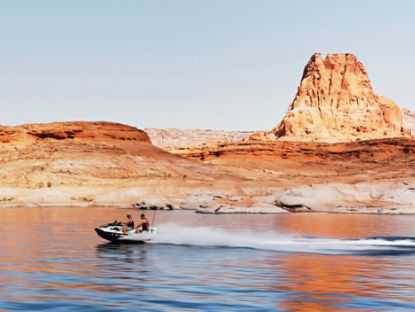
[51, 259]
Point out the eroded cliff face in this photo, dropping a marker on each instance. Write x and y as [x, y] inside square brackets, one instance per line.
[335, 102]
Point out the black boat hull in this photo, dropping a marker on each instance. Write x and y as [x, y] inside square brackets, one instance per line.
[112, 237]
[115, 233]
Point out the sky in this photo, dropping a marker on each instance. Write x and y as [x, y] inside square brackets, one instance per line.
[212, 64]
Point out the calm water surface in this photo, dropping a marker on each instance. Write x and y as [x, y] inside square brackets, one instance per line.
[51, 259]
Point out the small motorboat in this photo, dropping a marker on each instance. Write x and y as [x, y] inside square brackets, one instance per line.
[114, 232]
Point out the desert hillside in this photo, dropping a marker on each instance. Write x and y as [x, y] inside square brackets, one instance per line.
[81, 162]
[113, 164]
[87, 153]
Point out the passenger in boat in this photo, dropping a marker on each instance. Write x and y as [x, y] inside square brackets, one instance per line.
[129, 223]
[143, 224]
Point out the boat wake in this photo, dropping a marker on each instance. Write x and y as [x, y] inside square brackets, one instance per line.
[215, 237]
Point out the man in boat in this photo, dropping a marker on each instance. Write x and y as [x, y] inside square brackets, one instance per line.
[129, 224]
[143, 224]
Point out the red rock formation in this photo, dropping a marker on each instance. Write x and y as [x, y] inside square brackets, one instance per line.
[72, 130]
[74, 154]
[379, 150]
[335, 103]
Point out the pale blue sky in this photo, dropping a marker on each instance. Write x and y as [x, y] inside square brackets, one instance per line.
[189, 64]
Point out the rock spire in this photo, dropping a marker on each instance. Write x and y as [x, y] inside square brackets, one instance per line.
[335, 102]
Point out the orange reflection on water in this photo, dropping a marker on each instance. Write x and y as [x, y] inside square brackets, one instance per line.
[325, 281]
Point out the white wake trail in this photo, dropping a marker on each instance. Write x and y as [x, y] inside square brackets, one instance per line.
[174, 234]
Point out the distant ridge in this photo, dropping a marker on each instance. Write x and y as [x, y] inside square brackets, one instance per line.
[163, 137]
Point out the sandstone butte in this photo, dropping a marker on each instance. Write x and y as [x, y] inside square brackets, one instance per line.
[335, 102]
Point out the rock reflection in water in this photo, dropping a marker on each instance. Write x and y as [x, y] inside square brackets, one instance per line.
[327, 283]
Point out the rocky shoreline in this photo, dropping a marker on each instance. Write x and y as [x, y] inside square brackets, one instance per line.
[363, 198]
[383, 198]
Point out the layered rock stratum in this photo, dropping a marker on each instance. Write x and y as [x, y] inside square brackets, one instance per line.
[371, 176]
[172, 137]
[335, 102]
